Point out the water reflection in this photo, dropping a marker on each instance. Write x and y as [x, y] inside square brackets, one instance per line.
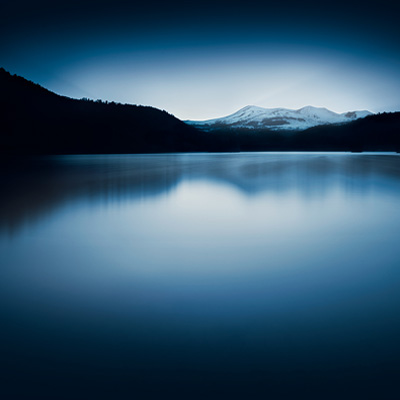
[32, 189]
[200, 276]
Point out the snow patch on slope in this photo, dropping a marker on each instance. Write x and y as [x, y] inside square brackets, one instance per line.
[254, 117]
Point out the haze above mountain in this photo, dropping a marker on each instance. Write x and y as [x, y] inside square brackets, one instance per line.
[253, 117]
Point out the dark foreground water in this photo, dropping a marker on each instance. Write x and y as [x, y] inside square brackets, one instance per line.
[222, 276]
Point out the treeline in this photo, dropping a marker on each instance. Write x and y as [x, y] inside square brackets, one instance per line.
[379, 132]
[34, 120]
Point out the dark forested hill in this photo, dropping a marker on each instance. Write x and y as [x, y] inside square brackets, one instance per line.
[373, 133]
[35, 120]
[379, 132]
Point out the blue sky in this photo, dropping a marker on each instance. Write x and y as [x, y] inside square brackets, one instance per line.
[205, 60]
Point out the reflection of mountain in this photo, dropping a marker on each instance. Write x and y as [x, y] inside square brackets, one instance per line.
[33, 189]
[252, 117]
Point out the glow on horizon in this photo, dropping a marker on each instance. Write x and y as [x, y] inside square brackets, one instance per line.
[205, 83]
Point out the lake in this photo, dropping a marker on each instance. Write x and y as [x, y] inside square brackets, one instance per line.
[201, 276]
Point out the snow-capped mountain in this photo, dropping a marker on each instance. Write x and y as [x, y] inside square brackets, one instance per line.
[253, 117]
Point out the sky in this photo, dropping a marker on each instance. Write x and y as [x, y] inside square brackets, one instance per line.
[201, 60]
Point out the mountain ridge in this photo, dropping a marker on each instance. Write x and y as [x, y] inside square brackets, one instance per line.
[255, 117]
[35, 121]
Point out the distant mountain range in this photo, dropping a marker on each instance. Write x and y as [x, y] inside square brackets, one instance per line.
[253, 117]
[34, 120]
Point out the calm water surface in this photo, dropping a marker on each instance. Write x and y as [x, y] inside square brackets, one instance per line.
[201, 276]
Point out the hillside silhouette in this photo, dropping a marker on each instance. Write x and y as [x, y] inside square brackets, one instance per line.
[379, 132]
[34, 120]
